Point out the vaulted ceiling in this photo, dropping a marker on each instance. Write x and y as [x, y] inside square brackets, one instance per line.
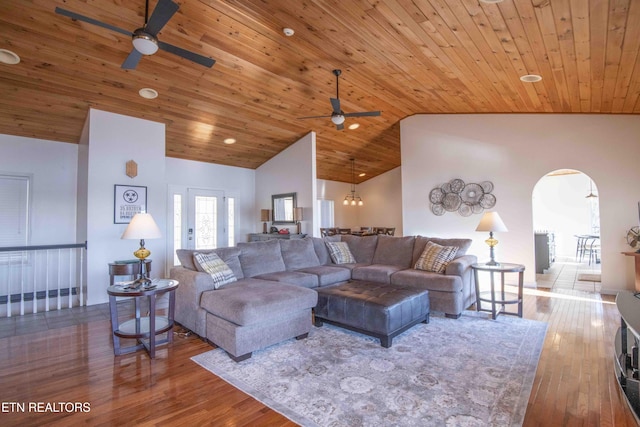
[401, 57]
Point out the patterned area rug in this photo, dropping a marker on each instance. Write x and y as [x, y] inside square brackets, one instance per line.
[466, 372]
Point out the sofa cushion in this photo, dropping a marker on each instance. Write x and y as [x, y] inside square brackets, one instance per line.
[229, 255]
[185, 256]
[260, 257]
[250, 301]
[298, 253]
[435, 258]
[322, 252]
[421, 241]
[293, 277]
[329, 274]
[212, 264]
[340, 253]
[375, 273]
[362, 248]
[427, 280]
[396, 251]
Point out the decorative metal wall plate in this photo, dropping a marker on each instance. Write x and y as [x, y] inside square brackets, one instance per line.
[466, 199]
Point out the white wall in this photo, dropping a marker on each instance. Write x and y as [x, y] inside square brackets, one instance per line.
[514, 152]
[233, 181]
[53, 170]
[113, 140]
[291, 171]
[343, 216]
[382, 197]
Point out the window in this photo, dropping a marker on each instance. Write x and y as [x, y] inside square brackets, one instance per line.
[14, 210]
[177, 226]
[231, 223]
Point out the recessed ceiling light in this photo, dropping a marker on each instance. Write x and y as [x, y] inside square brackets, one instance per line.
[8, 57]
[148, 93]
[229, 141]
[354, 126]
[362, 174]
[531, 78]
[288, 32]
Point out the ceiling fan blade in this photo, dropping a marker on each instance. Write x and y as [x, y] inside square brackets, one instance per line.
[340, 126]
[335, 103]
[164, 10]
[132, 60]
[315, 117]
[92, 21]
[363, 114]
[191, 56]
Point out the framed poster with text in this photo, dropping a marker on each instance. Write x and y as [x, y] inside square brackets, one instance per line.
[128, 200]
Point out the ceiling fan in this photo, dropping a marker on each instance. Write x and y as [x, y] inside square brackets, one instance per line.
[338, 116]
[145, 39]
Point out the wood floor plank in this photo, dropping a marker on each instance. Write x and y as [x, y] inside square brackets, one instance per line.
[574, 382]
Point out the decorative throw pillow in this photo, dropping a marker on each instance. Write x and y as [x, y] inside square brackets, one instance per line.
[220, 272]
[340, 253]
[435, 258]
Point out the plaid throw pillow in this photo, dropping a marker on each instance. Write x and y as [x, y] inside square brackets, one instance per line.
[340, 253]
[220, 272]
[435, 258]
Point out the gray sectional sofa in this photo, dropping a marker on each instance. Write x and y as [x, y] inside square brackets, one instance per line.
[273, 296]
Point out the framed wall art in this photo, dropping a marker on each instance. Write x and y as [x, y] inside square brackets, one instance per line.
[128, 200]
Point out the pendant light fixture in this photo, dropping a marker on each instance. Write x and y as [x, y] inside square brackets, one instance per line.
[353, 199]
[590, 195]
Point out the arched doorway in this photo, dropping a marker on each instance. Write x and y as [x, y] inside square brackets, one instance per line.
[566, 222]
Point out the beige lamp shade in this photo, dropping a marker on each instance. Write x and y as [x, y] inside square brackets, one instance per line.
[142, 226]
[264, 214]
[491, 221]
[297, 214]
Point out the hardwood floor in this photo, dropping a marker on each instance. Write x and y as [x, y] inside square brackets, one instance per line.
[574, 383]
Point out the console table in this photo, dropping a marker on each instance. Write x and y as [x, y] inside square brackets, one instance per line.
[626, 350]
[142, 328]
[261, 237]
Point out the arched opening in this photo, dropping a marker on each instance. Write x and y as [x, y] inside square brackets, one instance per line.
[566, 226]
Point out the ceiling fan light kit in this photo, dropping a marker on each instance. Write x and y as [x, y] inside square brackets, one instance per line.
[144, 43]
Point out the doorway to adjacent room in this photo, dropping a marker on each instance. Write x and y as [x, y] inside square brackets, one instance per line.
[566, 225]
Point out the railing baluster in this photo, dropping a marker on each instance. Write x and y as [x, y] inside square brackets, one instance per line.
[23, 277]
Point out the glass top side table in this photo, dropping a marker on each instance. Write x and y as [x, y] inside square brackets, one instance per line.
[143, 329]
[499, 299]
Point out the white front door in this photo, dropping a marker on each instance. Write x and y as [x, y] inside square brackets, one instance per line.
[206, 219]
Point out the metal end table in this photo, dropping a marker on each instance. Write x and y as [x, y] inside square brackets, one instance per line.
[499, 301]
[143, 328]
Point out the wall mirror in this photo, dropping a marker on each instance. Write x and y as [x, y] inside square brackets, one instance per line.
[283, 206]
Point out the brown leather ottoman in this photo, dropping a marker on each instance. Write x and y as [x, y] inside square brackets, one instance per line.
[377, 309]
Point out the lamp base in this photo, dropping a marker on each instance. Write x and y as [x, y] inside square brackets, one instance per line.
[142, 282]
[492, 263]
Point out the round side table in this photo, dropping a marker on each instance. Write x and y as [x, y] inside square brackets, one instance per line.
[143, 328]
[499, 300]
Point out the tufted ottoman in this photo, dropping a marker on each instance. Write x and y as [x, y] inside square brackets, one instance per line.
[377, 309]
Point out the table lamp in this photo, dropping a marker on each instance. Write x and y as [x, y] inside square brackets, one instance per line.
[142, 226]
[297, 217]
[491, 222]
[264, 217]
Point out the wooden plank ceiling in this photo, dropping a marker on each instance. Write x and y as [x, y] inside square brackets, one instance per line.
[402, 57]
